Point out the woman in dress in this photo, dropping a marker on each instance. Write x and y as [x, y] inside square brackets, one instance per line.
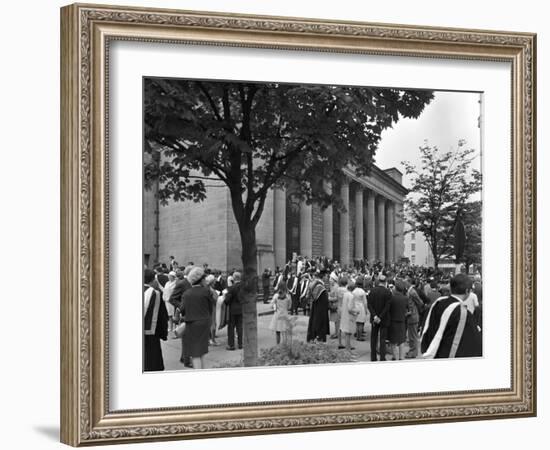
[167, 291]
[397, 332]
[281, 303]
[197, 311]
[349, 312]
[360, 297]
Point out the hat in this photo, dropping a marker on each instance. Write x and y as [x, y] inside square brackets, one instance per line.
[381, 277]
[195, 275]
[172, 273]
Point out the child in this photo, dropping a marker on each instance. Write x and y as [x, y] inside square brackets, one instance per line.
[281, 304]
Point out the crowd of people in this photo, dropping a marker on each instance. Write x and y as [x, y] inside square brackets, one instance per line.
[407, 307]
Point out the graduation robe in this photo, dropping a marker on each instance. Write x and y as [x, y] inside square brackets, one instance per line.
[155, 328]
[470, 342]
[318, 326]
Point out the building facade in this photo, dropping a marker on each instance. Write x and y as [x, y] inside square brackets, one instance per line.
[417, 249]
[207, 232]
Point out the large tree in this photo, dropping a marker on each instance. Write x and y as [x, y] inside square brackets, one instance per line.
[442, 187]
[255, 137]
[471, 219]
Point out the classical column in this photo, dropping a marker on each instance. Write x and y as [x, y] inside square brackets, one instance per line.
[371, 219]
[359, 223]
[381, 229]
[390, 230]
[279, 227]
[306, 231]
[399, 238]
[327, 225]
[344, 225]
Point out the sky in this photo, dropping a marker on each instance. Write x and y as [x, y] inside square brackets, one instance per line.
[449, 117]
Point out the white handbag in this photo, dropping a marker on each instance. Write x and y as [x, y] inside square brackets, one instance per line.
[178, 332]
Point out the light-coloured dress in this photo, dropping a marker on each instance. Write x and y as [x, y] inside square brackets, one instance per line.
[360, 297]
[166, 294]
[279, 321]
[347, 317]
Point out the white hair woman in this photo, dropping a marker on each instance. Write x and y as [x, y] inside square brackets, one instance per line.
[197, 312]
[167, 291]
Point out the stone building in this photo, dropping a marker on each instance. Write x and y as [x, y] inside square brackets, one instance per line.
[417, 249]
[207, 232]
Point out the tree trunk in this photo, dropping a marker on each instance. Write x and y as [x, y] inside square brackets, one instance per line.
[436, 259]
[249, 294]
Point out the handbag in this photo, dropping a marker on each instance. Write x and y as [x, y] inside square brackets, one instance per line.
[178, 332]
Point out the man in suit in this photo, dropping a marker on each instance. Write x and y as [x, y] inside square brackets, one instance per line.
[234, 303]
[292, 286]
[378, 303]
[303, 292]
[176, 299]
[266, 281]
[451, 330]
[173, 264]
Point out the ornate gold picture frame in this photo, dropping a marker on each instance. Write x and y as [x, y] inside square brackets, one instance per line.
[86, 34]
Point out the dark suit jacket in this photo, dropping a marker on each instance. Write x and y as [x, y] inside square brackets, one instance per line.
[266, 279]
[378, 302]
[232, 299]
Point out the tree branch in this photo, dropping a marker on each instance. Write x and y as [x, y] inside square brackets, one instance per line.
[210, 100]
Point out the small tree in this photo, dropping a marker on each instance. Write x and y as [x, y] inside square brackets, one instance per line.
[255, 137]
[441, 187]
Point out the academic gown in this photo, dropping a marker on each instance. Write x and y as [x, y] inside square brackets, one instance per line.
[318, 325]
[470, 343]
[152, 352]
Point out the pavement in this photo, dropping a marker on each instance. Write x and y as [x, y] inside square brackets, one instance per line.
[218, 355]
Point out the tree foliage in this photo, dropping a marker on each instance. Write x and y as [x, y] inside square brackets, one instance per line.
[256, 136]
[472, 220]
[442, 186]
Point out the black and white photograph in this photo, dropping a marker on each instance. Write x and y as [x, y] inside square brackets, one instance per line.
[288, 224]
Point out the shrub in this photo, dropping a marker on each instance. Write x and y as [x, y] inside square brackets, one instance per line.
[297, 353]
[228, 364]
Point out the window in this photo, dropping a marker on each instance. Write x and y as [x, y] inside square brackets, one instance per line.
[413, 236]
[413, 259]
[413, 247]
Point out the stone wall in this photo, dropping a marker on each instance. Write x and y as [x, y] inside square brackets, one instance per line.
[195, 231]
